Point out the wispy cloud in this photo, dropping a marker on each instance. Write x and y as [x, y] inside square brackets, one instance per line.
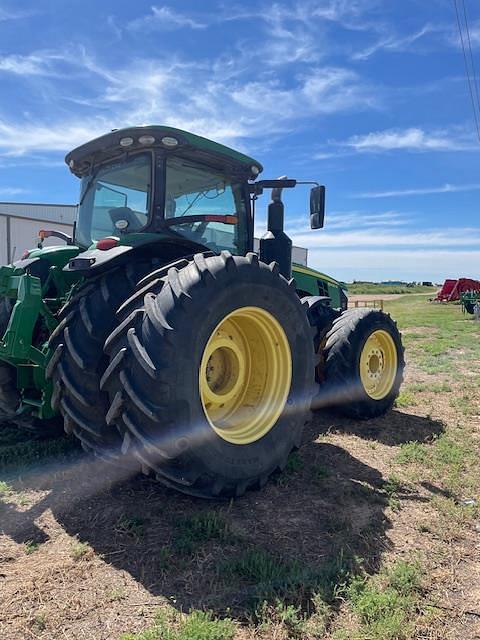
[12, 191]
[446, 188]
[370, 237]
[395, 43]
[42, 63]
[411, 139]
[8, 14]
[165, 18]
[230, 107]
[19, 138]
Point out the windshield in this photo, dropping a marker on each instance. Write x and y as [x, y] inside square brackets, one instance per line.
[115, 199]
[193, 190]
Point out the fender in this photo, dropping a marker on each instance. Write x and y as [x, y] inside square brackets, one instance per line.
[319, 311]
[95, 261]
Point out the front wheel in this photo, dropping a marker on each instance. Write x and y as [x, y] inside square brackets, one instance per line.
[364, 363]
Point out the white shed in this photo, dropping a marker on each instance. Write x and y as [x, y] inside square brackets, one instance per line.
[20, 223]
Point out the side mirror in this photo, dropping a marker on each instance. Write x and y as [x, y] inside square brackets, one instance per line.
[317, 207]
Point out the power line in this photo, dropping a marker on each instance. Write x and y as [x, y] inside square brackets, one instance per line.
[472, 62]
[472, 84]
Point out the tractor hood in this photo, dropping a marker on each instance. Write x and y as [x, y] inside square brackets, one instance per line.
[121, 141]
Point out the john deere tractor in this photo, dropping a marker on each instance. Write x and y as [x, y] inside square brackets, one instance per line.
[158, 336]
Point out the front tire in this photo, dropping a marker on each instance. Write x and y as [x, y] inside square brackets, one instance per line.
[211, 376]
[364, 363]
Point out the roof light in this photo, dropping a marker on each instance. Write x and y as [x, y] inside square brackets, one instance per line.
[126, 142]
[146, 140]
[169, 141]
[107, 243]
[71, 164]
[255, 170]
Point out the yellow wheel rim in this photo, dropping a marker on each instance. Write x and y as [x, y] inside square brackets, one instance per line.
[378, 364]
[245, 375]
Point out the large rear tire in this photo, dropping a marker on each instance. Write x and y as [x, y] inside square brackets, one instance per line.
[364, 363]
[211, 375]
[78, 361]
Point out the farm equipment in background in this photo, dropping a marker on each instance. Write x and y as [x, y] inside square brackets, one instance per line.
[160, 337]
[452, 290]
[470, 300]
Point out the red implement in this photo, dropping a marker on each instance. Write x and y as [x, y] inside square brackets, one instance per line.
[453, 289]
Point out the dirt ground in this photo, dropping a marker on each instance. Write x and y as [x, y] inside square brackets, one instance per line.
[85, 554]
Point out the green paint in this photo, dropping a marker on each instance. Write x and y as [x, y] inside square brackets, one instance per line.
[315, 283]
[35, 305]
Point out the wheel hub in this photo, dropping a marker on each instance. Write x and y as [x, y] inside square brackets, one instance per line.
[245, 375]
[378, 364]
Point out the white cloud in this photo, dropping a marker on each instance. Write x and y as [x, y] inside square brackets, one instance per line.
[411, 139]
[446, 188]
[230, 108]
[165, 18]
[6, 14]
[374, 237]
[19, 138]
[394, 43]
[35, 64]
[11, 191]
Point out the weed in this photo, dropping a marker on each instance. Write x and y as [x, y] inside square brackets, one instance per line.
[5, 488]
[116, 595]
[198, 625]
[20, 454]
[412, 451]
[405, 399]
[319, 473]
[40, 622]
[277, 614]
[133, 526]
[320, 618]
[163, 557]
[80, 550]
[294, 465]
[448, 452]
[271, 577]
[30, 547]
[386, 604]
[393, 487]
[454, 513]
[199, 527]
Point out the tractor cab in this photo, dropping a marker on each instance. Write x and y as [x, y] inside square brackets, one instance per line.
[162, 180]
[150, 185]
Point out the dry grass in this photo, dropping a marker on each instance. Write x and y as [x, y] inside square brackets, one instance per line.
[85, 554]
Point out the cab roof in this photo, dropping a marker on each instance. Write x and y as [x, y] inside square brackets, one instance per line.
[172, 140]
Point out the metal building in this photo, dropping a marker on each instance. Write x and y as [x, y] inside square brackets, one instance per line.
[20, 223]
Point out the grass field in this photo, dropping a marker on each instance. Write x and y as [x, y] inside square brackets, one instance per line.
[371, 533]
[367, 288]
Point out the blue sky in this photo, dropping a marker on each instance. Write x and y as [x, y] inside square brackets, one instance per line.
[367, 96]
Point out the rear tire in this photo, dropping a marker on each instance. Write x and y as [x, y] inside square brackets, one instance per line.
[161, 374]
[364, 363]
[78, 361]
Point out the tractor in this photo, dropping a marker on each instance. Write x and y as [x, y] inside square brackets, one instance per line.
[161, 340]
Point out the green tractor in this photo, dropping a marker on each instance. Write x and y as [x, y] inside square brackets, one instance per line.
[160, 338]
